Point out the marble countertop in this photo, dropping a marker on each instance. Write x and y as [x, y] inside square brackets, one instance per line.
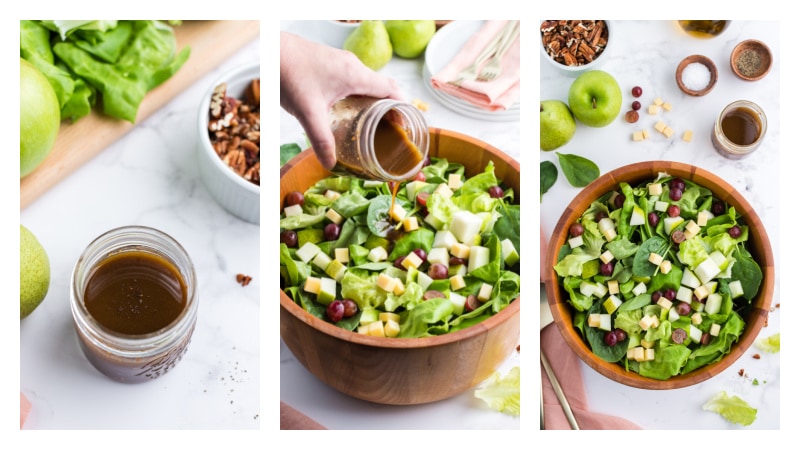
[648, 57]
[299, 388]
[149, 177]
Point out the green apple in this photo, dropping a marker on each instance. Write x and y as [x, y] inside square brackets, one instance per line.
[34, 272]
[370, 43]
[39, 117]
[556, 124]
[410, 37]
[595, 98]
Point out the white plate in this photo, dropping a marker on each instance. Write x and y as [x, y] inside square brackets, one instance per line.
[442, 48]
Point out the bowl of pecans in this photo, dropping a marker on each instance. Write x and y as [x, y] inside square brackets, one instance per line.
[229, 122]
[575, 46]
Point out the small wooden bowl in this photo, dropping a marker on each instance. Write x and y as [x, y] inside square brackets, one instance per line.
[399, 371]
[755, 50]
[712, 69]
[634, 174]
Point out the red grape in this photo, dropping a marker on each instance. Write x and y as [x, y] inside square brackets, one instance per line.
[636, 91]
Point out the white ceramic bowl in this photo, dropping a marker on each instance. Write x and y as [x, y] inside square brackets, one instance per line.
[574, 71]
[238, 196]
[334, 32]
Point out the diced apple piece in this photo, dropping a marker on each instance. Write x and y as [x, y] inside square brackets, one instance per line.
[736, 289]
[386, 282]
[661, 206]
[334, 217]
[460, 250]
[327, 291]
[613, 286]
[637, 216]
[321, 260]
[457, 282]
[443, 190]
[387, 316]
[600, 290]
[606, 257]
[330, 194]
[342, 255]
[412, 260]
[588, 288]
[424, 280]
[649, 354]
[335, 269]
[312, 285]
[377, 254]
[293, 210]
[478, 257]
[410, 223]
[376, 329]
[458, 269]
[684, 294]
[439, 255]
[655, 188]
[368, 316]
[671, 223]
[465, 225]
[719, 259]
[575, 242]
[444, 239]
[612, 303]
[485, 292]
[433, 221]
[695, 334]
[391, 329]
[369, 184]
[664, 303]
[458, 301]
[605, 322]
[689, 279]
[673, 315]
[363, 329]
[454, 181]
[715, 329]
[707, 270]
[413, 187]
[639, 289]
[713, 303]
[648, 344]
[607, 228]
[655, 258]
[703, 217]
[307, 252]
[509, 252]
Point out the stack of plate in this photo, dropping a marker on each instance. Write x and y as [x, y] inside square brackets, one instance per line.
[442, 48]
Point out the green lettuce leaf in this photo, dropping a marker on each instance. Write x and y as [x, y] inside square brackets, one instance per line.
[771, 344]
[732, 408]
[501, 392]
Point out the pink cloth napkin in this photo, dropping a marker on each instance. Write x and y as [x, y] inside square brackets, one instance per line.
[24, 409]
[498, 94]
[292, 419]
[566, 367]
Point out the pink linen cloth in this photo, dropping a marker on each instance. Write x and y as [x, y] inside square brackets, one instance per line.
[292, 419]
[24, 409]
[495, 95]
[567, 369]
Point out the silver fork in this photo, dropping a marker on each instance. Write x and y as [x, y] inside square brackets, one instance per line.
[471, 72]
[492, 68]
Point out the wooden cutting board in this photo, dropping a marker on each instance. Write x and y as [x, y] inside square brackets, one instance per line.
[211, 42]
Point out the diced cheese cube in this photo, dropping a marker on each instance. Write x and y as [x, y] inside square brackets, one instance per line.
[363, 329]
[646, 322]
[334, 216]
[412, 260]
[454, 181]
[714, 330]
[687, 135]
[294, 210]
[439, 255]
[485, 292]
[658, 101]
[575, 242]
[665, 267]
[655, 258]
[659, 126]
[655, 188]
[667, 106]
[593, 320]
[376, 329]
[410, 223]
[631, 352]
[386, 282]
[391, 329]
[668, 131]
[652, 110]
[613, 286]
[606, 256]
[645, 134]
[342, 255]
[443, 190]
[460, 250]
[684, 294]
[701, 292]
[457, 282]
[377, 254]
[637, 136]
[398, 213]
[664, 303]
[697, 318]
[330, 194]
[321, 260]
[703, 217]
[444, 239]
[399, 287]
[638, 354]
[661, 206]
[649, 354]
[639, 289]
[420, 104]
[307, 252]
[648, 344]
[312, 285]
[692, 227]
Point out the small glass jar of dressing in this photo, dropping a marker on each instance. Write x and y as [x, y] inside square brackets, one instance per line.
[739, 129]
[134, 303]
[378, 139]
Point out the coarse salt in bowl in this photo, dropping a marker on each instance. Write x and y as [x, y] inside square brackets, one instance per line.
[696, 75]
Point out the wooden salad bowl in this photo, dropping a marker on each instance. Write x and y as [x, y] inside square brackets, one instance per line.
[402, 371]
[634, 174]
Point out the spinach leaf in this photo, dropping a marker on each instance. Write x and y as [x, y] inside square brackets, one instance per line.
[548, 174]
[289, 151]
[578, 170]
[507, 225]
[642, 267]
[748, 271]
[595, 336]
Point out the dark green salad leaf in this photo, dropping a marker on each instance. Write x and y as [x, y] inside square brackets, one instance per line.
[548, 174]
[579, 171]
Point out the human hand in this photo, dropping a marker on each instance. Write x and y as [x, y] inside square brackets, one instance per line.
[314, 77]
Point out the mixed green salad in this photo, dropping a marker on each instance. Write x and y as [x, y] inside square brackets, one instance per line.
[442, 257]
[659, 276]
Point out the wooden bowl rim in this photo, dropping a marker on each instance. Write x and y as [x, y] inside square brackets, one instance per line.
[762, 49]
[562, 310]
[508, 313]
[704, 60]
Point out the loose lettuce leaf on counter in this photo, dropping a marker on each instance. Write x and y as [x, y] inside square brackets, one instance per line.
[732, 408]
[501, 392]
[771, 344]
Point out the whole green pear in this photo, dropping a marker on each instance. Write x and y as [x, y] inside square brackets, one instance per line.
[34, 272]
[410, 37]
[556, 124]
[370, 43]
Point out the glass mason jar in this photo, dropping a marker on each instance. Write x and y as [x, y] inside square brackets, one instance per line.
[378, 139]
[131, 343]
[739, 129]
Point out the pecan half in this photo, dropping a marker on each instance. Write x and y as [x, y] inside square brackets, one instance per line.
[574, 42]
[234, 129]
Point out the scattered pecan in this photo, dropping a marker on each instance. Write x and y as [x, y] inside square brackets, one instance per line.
[757, 356]
[243, 279]
[574, 42]
[234, 128]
